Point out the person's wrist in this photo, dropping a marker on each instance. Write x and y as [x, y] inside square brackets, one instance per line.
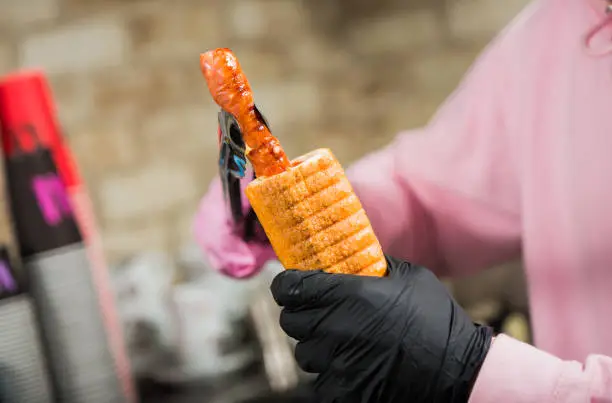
[462, 367]
[483, 339]
[479, 367]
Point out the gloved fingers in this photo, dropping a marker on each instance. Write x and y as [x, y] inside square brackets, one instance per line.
[301, 324]
[314, 355]
[299, 289]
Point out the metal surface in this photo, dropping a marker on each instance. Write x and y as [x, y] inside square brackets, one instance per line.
[24, 376]
[235, 174]
[76, 342]
[279, 363]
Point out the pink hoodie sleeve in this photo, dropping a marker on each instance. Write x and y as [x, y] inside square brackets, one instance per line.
[446, 196]
[519, 373]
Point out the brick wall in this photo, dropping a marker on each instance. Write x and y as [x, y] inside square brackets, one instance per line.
[337, 73]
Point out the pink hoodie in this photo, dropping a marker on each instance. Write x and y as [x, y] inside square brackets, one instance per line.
[517, 161]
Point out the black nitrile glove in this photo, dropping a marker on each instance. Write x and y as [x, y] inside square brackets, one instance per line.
[397, 339]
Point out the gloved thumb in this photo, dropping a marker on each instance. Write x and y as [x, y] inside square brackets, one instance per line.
[398, 268]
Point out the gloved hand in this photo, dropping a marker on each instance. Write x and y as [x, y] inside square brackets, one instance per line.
[397, 339]
[226, 250]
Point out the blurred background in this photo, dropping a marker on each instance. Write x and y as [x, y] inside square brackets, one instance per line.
[134, 109]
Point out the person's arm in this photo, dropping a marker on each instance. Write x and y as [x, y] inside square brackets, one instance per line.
[447, 196]
[403, 338]
[519, 373]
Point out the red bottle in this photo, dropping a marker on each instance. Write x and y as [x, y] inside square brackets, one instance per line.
[28, 121]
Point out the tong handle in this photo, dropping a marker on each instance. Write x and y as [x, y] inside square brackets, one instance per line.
[232, 166]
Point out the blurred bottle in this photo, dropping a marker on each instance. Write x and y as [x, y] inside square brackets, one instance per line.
[24, 375]
[29, 125]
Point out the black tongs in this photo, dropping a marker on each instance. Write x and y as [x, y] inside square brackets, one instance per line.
[235, 173]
